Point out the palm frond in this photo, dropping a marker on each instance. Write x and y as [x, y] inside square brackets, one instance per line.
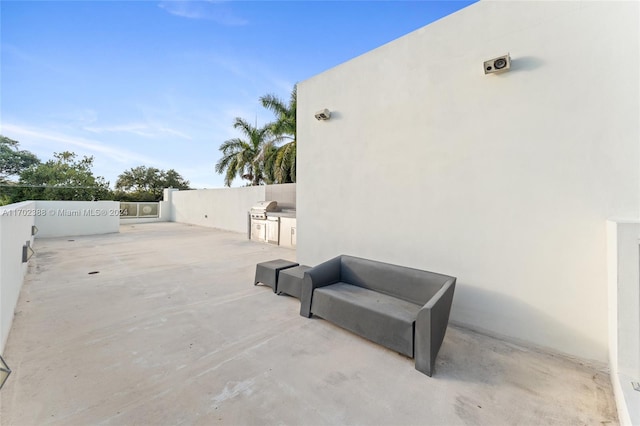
[232, 168]
[232, 145]
[274, 104]
[256, 156]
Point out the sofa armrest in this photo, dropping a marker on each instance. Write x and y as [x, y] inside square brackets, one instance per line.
[431, 326]
[324, 274]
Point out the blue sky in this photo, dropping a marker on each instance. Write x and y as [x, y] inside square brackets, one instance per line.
[158, 83]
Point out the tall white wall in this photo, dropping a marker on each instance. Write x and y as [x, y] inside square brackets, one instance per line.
[72, 218]
[624, 316]
[15, 229]
[505, 181]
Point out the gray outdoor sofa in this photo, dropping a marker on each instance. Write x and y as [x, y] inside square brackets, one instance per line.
[404, 309]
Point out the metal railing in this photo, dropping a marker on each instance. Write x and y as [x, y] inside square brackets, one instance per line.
[134, 210]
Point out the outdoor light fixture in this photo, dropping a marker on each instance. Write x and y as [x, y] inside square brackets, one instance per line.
[34, 230]
[324, 114]
[4, 372]
[27, 252]
[496, 65]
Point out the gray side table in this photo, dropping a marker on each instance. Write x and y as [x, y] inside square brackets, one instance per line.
[290, 280]
[267, 272]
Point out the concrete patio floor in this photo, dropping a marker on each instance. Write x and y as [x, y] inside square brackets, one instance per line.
[172, 331]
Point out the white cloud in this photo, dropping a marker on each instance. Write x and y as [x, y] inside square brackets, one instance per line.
[207, 10]
[91, 146]
[250, 69]
[83, 117]
[35, 60]
[147, 130]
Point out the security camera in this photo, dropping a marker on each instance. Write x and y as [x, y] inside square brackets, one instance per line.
[324, 114]
[496, 65]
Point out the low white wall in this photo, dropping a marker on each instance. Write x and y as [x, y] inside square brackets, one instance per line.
[15, 229]
[53, 219]
[623, 250]
[133, 221]
[73, 218]
[164, 214]
[284, 194]
[223, 208]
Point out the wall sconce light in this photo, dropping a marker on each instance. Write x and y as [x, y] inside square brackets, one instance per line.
[27, 252]
[4, 372]
[34, 230]
[324, 114]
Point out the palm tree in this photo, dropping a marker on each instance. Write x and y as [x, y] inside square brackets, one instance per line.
[283, 130]
[245, 157]
[270, 153]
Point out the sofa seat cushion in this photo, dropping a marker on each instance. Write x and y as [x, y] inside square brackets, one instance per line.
[383, 319]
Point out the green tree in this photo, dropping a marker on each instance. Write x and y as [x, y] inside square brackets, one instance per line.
[147, 183]
[12, 162]
[65, 177]
[270, 153]
[245, 158]
[12, 159]
[283, 130]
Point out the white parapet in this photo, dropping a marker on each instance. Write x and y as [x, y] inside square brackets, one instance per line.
[16, 221]
[73, 218]
[623, 254]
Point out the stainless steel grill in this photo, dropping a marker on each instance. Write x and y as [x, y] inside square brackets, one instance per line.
[260, 210]
[263, 227]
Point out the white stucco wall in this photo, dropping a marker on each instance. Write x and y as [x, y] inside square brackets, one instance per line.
[222, 208]
[505, 181]
[53, 219]
[626, 295]
[73, 218]
[225, 208]
[624, 316]
[15, 229]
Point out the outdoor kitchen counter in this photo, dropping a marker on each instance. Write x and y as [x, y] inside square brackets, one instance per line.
[291, 214]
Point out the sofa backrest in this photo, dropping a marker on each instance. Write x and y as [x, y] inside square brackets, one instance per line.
[412, 285]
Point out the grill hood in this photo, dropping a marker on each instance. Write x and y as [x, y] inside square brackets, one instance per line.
[260, 209]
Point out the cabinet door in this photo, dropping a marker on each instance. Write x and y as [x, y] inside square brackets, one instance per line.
[273, 231]
[258, 230]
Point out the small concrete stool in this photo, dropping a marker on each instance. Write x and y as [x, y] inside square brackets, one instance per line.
[267, 272]
[290, 280]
